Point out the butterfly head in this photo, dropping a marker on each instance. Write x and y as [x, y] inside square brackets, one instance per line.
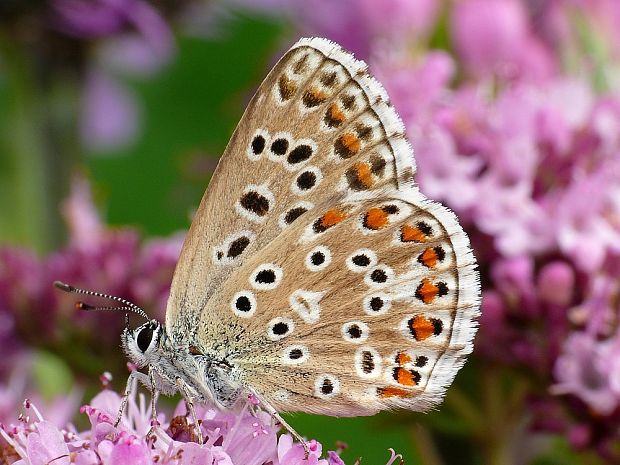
[141, 344]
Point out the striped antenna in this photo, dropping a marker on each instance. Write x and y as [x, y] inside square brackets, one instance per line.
[126, 305]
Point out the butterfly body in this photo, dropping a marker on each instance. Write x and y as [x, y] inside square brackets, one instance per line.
[315, 274]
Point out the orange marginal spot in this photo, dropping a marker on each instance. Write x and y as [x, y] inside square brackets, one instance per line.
[402, 358]
[404, 377]
[318, 94]
[314, 97]
[421, 327]
[359, 176]
[351, 142]
[427, 291]
[375, 218]
[429, 258]
[364, 174]
[336, 114]
[332, 217]
[411, 234]
[394, 392]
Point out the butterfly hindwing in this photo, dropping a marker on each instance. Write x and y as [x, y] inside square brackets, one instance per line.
[375, 311]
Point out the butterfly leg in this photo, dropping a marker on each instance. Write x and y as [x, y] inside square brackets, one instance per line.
[134, 375]
[154, 397]
[276, 416]
[189, 405]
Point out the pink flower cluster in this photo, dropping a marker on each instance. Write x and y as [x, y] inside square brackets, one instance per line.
[240, 438]
[34, 314]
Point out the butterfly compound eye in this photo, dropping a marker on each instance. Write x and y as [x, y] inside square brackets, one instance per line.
[144, 338]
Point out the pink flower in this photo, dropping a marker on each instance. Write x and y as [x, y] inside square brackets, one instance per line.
[583, 370]
[556, 283]
[110, 113]
[133, 38]
[19, 383]
[82, 218]
[489, 34]
[399, 18]
[443, 173]
[46, 443]
[587, 217]
[361, 26]
[230, 438]
[432, 75]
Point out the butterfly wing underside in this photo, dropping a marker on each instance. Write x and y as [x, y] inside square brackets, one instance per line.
[314, 265]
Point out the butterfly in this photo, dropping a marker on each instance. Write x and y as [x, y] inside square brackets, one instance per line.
[315, 276]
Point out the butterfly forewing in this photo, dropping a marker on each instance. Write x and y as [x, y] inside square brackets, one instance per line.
[312, 132]
[313, 265]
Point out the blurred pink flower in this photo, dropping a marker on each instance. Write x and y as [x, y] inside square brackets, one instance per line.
[556, 283]
[18, 384]
[361, 26]
[342, 22]
[432, 75]
[571, 24]
[132, 38]
[90, 19]
[587, 216]
[101, 18]
[398, 19]
[489, 34]
[443, 173]
[97, 257]
[514, 277]
[82, 218]
[583, 370]
[110, 113]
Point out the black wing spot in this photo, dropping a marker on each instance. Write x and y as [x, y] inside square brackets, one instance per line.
[368, 363]
[255, 203]
[327, 387]
[236, 247]
[361, 260]
[258, 145]
[265, 277]
[293, 214]
[379, 276]
[279, 146]
[306, 180]
[354, 331]
[317, 258]
[376, 303]
[243, 304]
[299, 154]
[280, 329]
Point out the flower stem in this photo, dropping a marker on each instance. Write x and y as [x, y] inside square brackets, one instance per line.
[503, 409]
[425, 445]
[31, 154]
